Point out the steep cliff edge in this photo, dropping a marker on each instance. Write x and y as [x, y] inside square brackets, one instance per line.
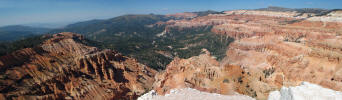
[286, 51]
[64, 68]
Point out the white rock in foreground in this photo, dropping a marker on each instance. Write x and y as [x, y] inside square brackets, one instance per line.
[191, 94]
[306, 91]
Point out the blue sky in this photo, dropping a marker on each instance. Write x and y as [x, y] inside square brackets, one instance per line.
[65, 11]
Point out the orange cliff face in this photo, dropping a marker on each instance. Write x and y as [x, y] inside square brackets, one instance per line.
[201, 72]
[204, 73]
[300, 50]
[181, 73]
[64, 68]
[270, 49]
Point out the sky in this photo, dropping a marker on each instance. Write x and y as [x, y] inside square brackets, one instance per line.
[15, 12]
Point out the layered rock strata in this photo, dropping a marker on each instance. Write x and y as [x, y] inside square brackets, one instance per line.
[271, 50]
[64, 68]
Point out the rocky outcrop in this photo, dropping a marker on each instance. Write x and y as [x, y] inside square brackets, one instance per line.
[64, 68]
[306, 91]
[199, 72]
[204, 73]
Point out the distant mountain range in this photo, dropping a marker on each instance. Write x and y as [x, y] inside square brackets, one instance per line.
[51, 25]
[36, 30]
[15, 32]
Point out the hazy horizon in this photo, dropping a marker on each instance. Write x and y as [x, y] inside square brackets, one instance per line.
[45, 12]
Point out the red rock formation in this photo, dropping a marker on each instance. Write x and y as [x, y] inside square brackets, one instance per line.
[206, 74]
[188, 73]
[276, 50]
[64, 68]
